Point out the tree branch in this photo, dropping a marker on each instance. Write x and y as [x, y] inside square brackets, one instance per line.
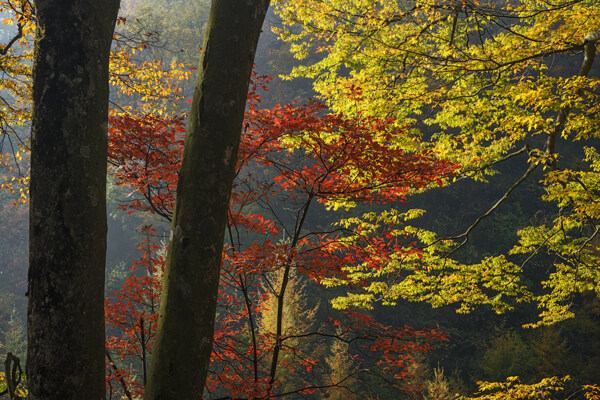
[119, 376]
[10, 374]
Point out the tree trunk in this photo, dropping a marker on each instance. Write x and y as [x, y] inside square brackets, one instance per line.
[68, 207]
[185, 330]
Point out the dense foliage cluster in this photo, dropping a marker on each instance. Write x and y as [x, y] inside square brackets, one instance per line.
[290, 158]
[479, 83]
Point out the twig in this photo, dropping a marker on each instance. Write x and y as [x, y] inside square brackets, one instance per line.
[119, 376]
[465, 234]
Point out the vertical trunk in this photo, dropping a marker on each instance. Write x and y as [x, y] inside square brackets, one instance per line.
[68, 206]
[185, 332]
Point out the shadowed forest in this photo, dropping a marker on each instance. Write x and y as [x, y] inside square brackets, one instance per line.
[413, 214]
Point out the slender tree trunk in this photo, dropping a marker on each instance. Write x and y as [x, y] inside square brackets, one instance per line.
[67, 242]
[185, 330]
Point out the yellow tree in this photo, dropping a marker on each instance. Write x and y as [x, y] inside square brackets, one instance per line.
[298, 318]
[487, 81]
[15, 100]
[479, 82]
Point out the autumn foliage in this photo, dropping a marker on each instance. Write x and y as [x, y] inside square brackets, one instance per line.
[291, 158]
[476, 83]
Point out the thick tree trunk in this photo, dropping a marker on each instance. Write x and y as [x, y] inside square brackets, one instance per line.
[185, 332]
[68, 207]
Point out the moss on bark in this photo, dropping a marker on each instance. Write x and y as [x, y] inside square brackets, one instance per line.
[188, 305]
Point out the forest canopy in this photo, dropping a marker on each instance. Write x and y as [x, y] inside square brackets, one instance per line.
[400, 234]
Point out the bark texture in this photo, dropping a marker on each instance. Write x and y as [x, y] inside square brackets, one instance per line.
[68, 207]
[188, 304]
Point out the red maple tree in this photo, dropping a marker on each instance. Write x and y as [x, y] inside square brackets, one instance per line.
[291, 158]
